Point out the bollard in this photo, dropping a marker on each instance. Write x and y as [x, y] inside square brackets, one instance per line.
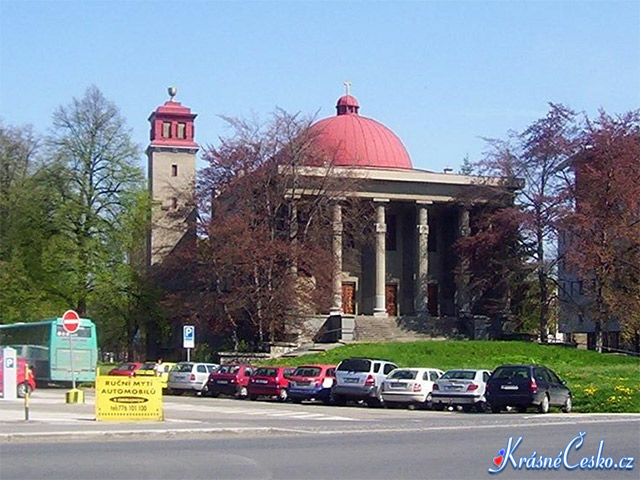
[75, 395]
[26, 405]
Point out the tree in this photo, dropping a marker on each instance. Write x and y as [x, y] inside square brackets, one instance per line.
[603, 231]
[92, 145]
[539, 156]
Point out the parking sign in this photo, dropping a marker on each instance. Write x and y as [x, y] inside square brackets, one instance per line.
[188, 336]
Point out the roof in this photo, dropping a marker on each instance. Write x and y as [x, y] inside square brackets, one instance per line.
[351, 140]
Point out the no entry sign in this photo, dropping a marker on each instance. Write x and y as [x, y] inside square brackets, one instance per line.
[70, 321]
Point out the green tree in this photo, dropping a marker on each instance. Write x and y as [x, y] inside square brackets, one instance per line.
[98, 176]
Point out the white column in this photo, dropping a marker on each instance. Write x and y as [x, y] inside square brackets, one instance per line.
[380, 308]
[462, 281]
[336, 303]
[422, 274]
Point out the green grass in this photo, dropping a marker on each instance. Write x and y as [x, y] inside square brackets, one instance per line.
[599, 382]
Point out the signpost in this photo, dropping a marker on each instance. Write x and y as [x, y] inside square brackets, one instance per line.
[71, 324]
[188, 339]
[10, 373]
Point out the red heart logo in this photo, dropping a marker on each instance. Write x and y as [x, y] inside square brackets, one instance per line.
[498, 460]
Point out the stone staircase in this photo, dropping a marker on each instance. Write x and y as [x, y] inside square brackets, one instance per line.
[386, 329]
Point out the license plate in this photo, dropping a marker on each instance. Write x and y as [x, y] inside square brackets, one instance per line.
[350, 380]
[398, 385]
[509, 387]
[454, 387]
[261, 381]
[222, 382]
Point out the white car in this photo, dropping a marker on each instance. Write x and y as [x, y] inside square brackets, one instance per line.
[409, 386]
[190, 376]
[464, 388]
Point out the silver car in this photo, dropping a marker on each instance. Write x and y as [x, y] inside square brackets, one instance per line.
[410, 386]
[361, 379]
[190, 376]
[463, 388]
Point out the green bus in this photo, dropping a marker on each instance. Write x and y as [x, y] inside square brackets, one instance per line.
[47, 347]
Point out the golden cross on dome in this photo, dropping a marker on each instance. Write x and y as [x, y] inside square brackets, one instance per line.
[347, 85]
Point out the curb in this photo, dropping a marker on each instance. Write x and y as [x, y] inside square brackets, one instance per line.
[152, 434]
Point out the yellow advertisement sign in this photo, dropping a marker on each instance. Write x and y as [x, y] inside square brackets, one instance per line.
[128, 398]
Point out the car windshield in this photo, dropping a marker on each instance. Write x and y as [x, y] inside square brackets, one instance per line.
[266, 372]
[307, 372]
[459, 375]
[230, 369]
[403, 375]
[184, 367]
[511, 372]
[147, 366]
[127, 366]
[355, 365]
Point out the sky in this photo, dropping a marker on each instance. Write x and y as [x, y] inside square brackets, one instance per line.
[442, 75]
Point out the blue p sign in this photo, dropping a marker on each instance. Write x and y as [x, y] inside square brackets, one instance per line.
[189, 336]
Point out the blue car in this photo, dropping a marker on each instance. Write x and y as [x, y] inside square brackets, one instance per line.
[312, 382]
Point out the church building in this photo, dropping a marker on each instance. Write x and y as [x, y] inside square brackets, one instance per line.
[411, 272]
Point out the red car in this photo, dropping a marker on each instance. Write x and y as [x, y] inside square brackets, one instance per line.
[230, 380]
[126, 369]
[312, 382]
[25, 381]
[270, 382]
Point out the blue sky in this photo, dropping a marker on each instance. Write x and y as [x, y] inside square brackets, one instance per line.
[441, 74]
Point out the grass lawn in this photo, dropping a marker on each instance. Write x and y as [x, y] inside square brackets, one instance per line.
[599, 383]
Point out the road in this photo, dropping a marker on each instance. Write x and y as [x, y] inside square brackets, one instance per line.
[225, 438]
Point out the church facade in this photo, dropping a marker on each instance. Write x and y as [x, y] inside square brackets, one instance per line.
[408, 269]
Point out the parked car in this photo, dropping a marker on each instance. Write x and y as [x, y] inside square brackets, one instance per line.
[464, 388]
[126, 369]
[150, 369]
[270, 382]
[361, 379]
[25, 378]
[230, 380]
[409, 386]
[524, 386]
[190, 376]
[312, 382]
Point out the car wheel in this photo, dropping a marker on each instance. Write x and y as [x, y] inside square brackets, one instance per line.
[392, 404]
[213, 394]
[568, 405]
[242, 393]
[495, 409]
[481, 407]
[544, 404]
[296, 400]
[205, 390]
[177, 391]
[283, 395]
[522, 409]
[24, 389]
[427, 402]
[253, 397]
[439, 407]
[466, 408]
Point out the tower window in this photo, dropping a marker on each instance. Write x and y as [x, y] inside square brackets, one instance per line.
[182, 130]
[174, 170]
[166, 129]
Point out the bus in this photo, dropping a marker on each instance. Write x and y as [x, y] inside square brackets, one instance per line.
[46, 346]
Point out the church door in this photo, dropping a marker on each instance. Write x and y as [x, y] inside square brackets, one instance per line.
[349, 298]
[432, 299]
[391, 294]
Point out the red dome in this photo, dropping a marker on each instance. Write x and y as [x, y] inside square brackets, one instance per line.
[350, 140]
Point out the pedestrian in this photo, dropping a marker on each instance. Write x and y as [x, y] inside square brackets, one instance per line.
[159, 367]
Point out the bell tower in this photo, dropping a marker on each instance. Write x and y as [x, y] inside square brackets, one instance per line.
[171, 174]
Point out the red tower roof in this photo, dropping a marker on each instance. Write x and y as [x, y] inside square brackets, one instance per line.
[350, 140]
[172, 126]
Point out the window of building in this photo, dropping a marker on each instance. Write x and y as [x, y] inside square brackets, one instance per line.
[166, 129]
[182, 130]
[391, 233]
[174, 170]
